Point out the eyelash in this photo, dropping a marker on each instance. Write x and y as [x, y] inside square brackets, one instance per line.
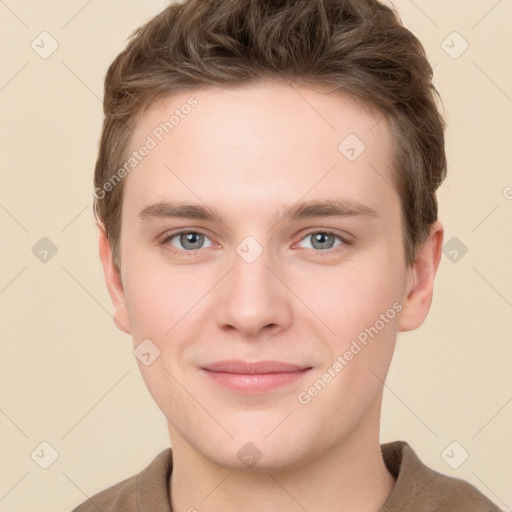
[170, 248]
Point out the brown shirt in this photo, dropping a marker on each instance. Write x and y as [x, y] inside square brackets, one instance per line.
[417, 489]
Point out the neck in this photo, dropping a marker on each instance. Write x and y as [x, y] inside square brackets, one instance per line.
[350, 476]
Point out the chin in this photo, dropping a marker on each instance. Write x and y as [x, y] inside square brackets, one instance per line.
[252, 450]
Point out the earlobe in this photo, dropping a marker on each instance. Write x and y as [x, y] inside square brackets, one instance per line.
[113, 281]
[420, 286]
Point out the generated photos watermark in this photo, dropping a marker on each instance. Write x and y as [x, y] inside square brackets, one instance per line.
[152, 140]
[356, 346]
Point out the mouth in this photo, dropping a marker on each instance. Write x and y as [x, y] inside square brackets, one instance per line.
[257, 377]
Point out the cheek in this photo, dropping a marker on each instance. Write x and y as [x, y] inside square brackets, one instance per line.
[165, 306]
[147, 305]
[363, 311]
[160, 379]
[157, 298]
[351, 297]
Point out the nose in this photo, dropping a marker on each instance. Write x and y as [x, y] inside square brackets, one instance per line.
[253, 297]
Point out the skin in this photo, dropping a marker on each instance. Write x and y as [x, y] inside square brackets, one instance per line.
[248, 152]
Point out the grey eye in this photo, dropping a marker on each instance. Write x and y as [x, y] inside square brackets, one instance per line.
[323, 240]
[188, 240]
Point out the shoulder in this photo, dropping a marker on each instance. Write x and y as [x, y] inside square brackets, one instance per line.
[145, 489]
[425, 489]
[116, 497]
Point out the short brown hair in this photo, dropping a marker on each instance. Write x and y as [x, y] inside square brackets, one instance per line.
[356, 47]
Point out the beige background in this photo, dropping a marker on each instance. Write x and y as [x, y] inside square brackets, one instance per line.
[68, 376]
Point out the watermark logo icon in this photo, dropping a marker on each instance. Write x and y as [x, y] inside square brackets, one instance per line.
[249, 455]
[146, 352]
[44, 250]
[249, 249]
[352, 147]
[454, 455]
[454, 249]
[44, 455]
[44, 45]
[454, 45]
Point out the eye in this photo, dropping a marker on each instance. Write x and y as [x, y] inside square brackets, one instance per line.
[324, 240]
[186, 241]
[191, 241]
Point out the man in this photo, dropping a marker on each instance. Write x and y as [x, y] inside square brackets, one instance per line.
[265, 194]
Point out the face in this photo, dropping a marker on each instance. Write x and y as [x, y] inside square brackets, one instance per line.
[262, 275]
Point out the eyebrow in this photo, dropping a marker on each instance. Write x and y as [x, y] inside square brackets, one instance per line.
[296, 211]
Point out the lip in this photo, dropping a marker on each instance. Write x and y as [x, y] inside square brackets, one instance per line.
[259, 367]
[254, 377]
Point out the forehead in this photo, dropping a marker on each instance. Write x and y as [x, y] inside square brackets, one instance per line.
[272, 141]
[265, 109]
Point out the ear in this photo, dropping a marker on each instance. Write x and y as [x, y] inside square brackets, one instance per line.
[114, 282]
[420, 282]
